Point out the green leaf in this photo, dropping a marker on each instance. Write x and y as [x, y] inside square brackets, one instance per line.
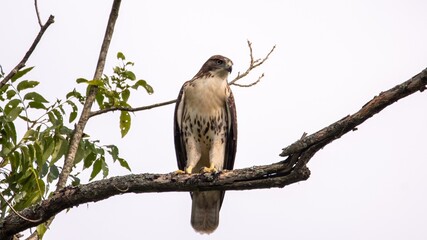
[125, 95]
[100, 99]
[75, 181]
[124, 164]
[129, 75]
[125, 123]
[31, 151]
[81, 80]
[105, 169]
[26, 84]
[75, 94]
[37, 105]
[4, 88]
[96, 82]
[74, 108]
[15, 160]
[21, 73]
[41, 229]
[89, 160]
[120, 56]
[30, 135]
[10, 94]
[11, 105]
[24, 118]
[48, 149]
[80, 154]
[35, 97]
[73, 116]
[10, 130]
[53, 173]
[39, 154]
[51, 117]
[58, 116]
[97, 166]
[144, 84]
[25, 154]
[13, 114]
[43, 170]
[59, 150]
[114, 151]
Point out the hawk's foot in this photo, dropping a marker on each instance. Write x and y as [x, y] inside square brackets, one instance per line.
[179, 171]
[210, 169]
[187, 171]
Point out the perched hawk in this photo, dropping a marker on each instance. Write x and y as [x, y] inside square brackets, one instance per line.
[205, 132]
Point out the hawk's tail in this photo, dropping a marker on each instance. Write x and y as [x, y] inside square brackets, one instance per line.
[205, 211]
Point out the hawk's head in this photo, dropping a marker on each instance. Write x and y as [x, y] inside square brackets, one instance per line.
[216, 65]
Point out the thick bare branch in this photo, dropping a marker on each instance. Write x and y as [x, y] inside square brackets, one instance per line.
[249, 178]
[27, 55]
[280, 174]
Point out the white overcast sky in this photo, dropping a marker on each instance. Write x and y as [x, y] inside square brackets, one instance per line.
[331, 58]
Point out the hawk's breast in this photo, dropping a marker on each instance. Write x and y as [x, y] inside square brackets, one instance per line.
[204, 115]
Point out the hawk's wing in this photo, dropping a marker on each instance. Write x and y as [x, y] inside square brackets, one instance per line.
[231, 141]
[181, 153]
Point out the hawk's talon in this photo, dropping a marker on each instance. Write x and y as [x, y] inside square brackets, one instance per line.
[179, 171]
[210, 169]
[186, 171]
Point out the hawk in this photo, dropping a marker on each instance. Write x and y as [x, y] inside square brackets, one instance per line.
[205, 134]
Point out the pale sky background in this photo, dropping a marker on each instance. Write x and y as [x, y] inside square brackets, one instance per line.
[331, 58]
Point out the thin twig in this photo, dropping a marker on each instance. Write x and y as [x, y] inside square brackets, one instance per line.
[252, 64]
[17, 213]
[37, 13]
[129, 109]
[250, 84]
[22, 63]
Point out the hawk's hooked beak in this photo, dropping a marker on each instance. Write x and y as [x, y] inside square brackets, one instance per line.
[229, 69]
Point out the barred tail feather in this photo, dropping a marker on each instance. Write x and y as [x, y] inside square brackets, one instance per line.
[205, 211]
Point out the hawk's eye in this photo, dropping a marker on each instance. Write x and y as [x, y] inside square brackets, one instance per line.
[219, 61]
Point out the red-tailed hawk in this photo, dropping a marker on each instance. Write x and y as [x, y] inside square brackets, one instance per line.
[205, 132]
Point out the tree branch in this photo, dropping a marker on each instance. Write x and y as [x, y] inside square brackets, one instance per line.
[37, 13]
[84, 117]
[252, 64]
[249, 178]
[129, 109]
[348, 123]
[280, 174]
[27, 55]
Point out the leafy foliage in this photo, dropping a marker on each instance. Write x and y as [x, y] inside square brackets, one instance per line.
[114, 91]
[34, 135]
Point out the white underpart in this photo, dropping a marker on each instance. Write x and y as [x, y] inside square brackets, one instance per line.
[204, 98]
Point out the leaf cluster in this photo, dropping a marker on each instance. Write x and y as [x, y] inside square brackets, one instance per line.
[114, 91]
[34, 137]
